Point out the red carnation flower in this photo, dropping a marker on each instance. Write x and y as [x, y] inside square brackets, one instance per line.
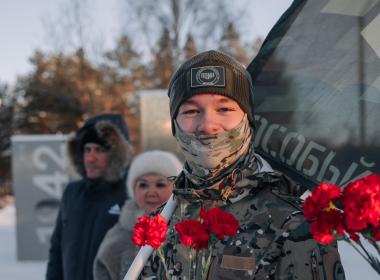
[149, 231]
[192, 234]
[140, 231]
[157, 231]
[320, 199]
[376, 234]
[219, 222]
[326, 225]
[361, 204]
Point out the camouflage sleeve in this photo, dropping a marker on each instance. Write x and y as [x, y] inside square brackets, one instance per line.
[152, 269]
[303, 258]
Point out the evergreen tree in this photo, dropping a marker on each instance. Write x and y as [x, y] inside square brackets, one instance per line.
[6, 131]
[124, 74]
[163, 60]
[51, 95]
[231, 44]
[62, 91]
[190, 48]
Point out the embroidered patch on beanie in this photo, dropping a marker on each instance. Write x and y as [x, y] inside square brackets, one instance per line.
[208, 76]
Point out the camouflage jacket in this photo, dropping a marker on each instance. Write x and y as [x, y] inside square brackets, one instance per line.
[273, 241]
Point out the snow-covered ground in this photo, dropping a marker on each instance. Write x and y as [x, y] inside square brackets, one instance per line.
[354, 266]
[10, 268]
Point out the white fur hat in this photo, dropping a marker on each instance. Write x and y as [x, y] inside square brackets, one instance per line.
[155, 161]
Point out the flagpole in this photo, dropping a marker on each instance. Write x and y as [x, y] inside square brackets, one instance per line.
[145, 251]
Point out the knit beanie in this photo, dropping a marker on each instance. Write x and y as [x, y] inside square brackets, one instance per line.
[158, 162]
[211, 72]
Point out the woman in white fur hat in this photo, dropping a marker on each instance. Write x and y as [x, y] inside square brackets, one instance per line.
[148, 188]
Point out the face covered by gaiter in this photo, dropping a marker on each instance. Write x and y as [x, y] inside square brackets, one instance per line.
[209, 155]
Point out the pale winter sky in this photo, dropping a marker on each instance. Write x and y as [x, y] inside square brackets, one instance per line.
[24, 26]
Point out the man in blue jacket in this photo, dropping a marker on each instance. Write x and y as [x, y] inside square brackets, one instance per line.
[100, 152]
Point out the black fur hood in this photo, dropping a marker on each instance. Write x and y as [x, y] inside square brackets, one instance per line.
[112, 129]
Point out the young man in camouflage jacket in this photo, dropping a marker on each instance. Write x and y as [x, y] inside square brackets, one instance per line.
[211, 106]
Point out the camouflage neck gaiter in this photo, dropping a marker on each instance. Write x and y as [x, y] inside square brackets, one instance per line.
[207, 156]
[231, 184]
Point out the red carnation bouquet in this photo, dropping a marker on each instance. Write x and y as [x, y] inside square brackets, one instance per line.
[201, 236]
[347, 215]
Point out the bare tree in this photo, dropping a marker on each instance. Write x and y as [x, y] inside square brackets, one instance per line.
[69, 29]
[74, 26]
[205, 20]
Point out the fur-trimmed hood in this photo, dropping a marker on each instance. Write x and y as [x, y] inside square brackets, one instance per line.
[112, 129]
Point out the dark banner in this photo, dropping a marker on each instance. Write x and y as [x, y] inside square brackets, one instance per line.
[317, 91]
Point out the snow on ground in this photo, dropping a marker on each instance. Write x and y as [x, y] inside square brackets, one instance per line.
[10, 268]
[354, 266]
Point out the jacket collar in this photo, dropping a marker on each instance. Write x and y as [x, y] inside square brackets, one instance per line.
[230, 188]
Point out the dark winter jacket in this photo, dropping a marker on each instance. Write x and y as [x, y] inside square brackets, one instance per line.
[88, 210]
[117, 251]
[89, 207]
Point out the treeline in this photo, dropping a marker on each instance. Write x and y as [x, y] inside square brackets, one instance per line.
[64, 88]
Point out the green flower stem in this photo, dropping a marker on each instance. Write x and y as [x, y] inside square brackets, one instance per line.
[191, 274]
[203, 259]
[206, 267]
[372, 261]
[348, 240]
[363, 248]
[196, 262]
[375, 244]
[160, 254]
